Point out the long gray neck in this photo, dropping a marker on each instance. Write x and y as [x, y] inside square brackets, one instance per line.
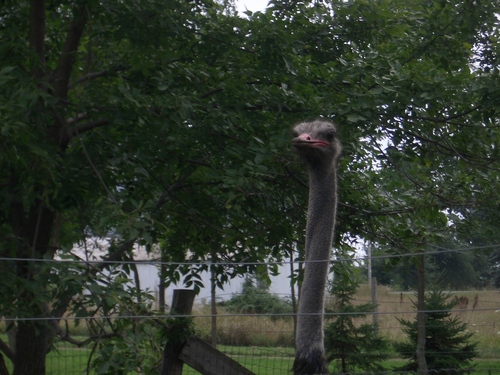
[319, 235]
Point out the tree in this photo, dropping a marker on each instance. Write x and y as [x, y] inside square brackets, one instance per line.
[348, 345]
[448, 346]
[103, 103]
[122, 119]
[446, 266]
[479, 230]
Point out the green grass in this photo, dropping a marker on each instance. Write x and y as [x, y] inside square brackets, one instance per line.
[67, 361]
[64, 361]
[478, 364]
[260, 360]
[281, 362]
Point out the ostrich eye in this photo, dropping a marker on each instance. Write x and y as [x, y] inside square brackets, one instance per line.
[329, 136]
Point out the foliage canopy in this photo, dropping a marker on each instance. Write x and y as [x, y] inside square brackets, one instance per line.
[166, 124]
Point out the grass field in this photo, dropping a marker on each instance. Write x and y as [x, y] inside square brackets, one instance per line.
[479, 309]
[481, 313]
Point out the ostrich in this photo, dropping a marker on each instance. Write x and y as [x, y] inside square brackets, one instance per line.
[317, 144]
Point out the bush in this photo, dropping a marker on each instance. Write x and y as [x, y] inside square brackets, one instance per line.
[258, 300]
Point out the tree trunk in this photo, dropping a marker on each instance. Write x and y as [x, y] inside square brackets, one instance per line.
[161, 286]
[32, 344]
[421, 361]
[32, 223]
[33, 233]
[182, 304]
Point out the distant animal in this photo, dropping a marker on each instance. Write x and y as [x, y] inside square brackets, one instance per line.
[318, 146]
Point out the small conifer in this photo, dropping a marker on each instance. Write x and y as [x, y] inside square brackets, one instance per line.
[348, 345]
[448, 345]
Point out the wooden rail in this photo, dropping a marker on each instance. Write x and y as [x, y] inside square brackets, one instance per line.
[195, 352]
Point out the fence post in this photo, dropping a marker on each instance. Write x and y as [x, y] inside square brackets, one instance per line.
[373, 282]
[182, 304]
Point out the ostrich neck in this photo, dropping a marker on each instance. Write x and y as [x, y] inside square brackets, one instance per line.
[321, 213]
[319, 234]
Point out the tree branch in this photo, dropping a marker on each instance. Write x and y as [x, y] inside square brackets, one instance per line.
[64, 303]
[37, 34]
[117, 254]
[210, 93]
[89, 77]
[78, 117]
[67, 58]
[256, 82]
[85, 127]
[65, 336]
[444, 120]
[399, 211]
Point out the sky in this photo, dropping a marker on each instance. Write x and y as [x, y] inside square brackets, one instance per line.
[253, 5]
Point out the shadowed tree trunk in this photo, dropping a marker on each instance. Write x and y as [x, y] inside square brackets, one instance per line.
[33, 339]
[32, 226]
[33, 233]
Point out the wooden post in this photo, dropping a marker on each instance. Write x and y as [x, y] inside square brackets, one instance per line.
[374, 301]
[369, 262]
[213, 303]
[421, 360]
[294, 297]
[182, 304]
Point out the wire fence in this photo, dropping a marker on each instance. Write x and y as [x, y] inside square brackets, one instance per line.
[261, 361]
[261, 342]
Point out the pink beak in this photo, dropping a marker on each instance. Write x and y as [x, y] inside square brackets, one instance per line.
[305, 139]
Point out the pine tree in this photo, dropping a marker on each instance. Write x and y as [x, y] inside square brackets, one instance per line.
[350, 346]
[448, 346]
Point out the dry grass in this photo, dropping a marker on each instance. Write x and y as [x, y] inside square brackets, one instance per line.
[245, 330]
[479, 309]
[480, 313]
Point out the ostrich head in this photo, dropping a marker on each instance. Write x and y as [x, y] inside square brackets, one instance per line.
[317, 142]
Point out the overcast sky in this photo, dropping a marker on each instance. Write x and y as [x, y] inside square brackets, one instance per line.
[253, 5]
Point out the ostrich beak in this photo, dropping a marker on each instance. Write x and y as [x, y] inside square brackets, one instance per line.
[305, 140]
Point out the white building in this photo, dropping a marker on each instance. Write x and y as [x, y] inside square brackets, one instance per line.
[148, 264]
